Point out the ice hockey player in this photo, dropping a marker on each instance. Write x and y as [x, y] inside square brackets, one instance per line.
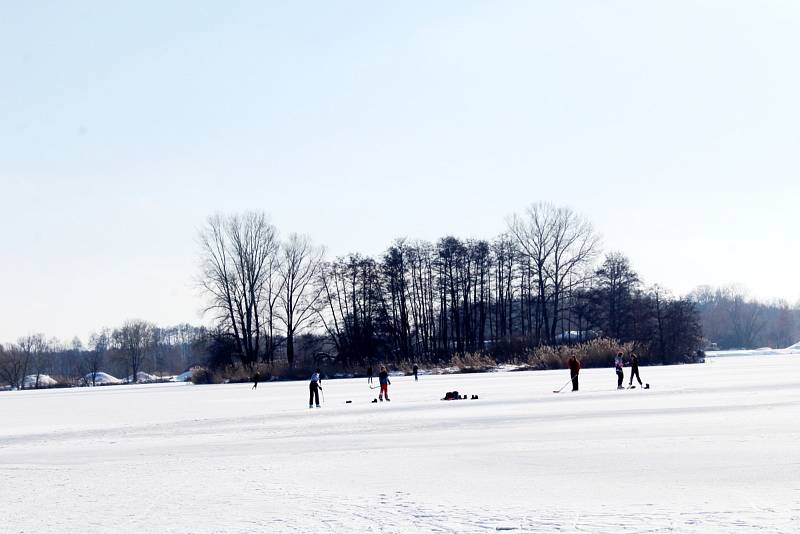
[383, 378]
[618, 364]
[313, 389]
[256, 378]
[635, 369]
[574, 368]
[415, 369]
[369, 374]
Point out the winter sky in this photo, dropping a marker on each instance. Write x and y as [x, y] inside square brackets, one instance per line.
[672, 125]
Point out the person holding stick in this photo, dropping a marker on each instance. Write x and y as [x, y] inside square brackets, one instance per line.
[574, 368]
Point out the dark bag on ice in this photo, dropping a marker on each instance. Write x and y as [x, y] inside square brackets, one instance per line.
[451, 395]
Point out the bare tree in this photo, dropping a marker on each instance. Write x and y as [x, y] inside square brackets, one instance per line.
[133, 340]
[747, 319]
[273, 288]
[351, 299]
[301, 263]
[34, 359]
[99, 344]
[560, 244]
[615, 283]
[12, 365]
[238, 271]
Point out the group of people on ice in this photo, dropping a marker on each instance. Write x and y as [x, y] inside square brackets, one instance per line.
[574, 365]
[315, 385]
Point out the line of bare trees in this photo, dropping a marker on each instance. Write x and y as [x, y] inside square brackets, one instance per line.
[274, 300]
[536, 284]
[733, 320]
[136, 346]
[254, 283]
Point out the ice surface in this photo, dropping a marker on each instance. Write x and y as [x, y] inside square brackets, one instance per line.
[709, 448]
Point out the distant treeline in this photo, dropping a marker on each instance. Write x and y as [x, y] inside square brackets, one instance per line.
[137, 346]
[732, 320]
[279, 306]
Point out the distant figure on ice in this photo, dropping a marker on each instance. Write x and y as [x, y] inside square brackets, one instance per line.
[574, 368]
[635, 369]
[256, 378]
[369, 374]
[313, 389]
[618, 364]
[383, 378]
[415, 369]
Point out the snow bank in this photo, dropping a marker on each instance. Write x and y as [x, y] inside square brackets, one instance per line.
[44, 381]
[764, 351]
[143, 377]
[183, 377]
[102, 379]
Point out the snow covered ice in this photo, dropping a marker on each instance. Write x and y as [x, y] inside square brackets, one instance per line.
[710, 448]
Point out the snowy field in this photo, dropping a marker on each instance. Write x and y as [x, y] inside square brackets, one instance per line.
[709, 448]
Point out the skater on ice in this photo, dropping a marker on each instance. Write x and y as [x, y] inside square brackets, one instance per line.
[383, 379]
[574, 368]
[618, 364]
[634, 370]
[313, 389]
[415, 370]
[369, 374]
[256, 378]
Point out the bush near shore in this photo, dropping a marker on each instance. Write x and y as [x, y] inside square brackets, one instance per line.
[594, 353]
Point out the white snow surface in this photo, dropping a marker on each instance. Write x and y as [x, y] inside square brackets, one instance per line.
[709, 448]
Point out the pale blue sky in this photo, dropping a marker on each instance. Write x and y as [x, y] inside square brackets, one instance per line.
[674, 126]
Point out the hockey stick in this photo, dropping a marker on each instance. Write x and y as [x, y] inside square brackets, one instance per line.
[565, 385]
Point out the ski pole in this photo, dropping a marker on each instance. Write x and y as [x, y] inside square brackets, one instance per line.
[565, 385]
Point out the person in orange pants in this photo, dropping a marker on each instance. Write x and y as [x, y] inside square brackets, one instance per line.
[383, 379]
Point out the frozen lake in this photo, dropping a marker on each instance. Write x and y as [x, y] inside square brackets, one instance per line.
[709, 448]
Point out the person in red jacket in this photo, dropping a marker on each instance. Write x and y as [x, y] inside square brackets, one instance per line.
[574, 368]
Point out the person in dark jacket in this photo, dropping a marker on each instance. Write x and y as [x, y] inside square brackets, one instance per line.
[369, 374]
[618, 365]
[635, 369]
[383, 379]
[313, 389]
[574, 368]
[256, 378]
[415, 369]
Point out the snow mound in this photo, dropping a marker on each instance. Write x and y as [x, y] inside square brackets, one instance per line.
[183, 377]
[102, 379]
[143, 377]
[764, 351]
[44, 381]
